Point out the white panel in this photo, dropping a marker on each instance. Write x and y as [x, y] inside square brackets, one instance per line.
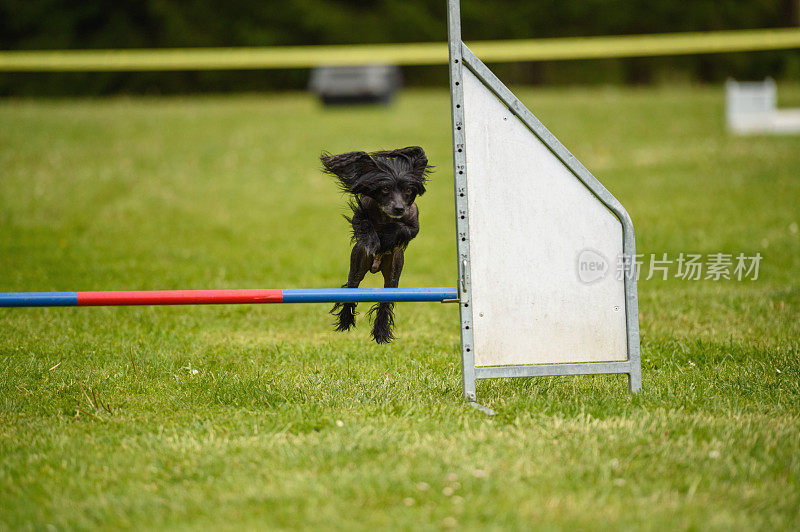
[530, 219]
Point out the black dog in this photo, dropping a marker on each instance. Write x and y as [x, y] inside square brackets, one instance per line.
[385, 218]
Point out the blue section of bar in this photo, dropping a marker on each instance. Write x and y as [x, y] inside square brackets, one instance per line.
[358, 295]
[38, 299]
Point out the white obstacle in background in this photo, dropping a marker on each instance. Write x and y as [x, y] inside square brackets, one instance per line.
[751, 108]
[346, 85]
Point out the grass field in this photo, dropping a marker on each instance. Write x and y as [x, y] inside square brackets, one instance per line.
[262, 417]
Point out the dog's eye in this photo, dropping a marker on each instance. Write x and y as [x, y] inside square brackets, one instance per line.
[385, 190]
[407, 192]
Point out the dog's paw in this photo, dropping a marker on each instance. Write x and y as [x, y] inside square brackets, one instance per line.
[384, 322]
[345, 316]
[382, 336]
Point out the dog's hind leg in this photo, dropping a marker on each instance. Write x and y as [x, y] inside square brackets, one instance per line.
[359, 265]
[383, 313]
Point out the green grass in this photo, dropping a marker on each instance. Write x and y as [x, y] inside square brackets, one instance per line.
[262, 417]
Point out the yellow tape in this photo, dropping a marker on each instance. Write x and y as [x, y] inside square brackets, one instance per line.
[400, 54]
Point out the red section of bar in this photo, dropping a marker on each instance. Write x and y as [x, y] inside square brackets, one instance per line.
[179, 297]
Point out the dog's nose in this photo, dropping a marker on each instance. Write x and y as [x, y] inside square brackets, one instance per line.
[398, 210]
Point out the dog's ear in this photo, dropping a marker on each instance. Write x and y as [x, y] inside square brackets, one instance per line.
[419, 165]
[348, 168]
[418, 160]
[414, 156]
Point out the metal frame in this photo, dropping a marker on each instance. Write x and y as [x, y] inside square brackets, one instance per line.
[468, 374]
[460, 56]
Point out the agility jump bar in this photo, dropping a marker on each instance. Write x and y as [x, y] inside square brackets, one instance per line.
[220, 297]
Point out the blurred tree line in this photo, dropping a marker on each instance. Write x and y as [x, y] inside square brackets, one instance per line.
[71, 24]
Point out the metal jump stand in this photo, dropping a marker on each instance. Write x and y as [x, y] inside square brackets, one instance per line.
[472, 185]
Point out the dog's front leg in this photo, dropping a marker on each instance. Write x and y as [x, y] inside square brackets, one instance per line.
[383, 324]
[364, 233]
[360, 262]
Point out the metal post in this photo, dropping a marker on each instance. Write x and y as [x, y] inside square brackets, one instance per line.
[462, 211]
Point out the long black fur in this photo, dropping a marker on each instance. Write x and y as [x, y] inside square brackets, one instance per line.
[383, 186]
[383, 322]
